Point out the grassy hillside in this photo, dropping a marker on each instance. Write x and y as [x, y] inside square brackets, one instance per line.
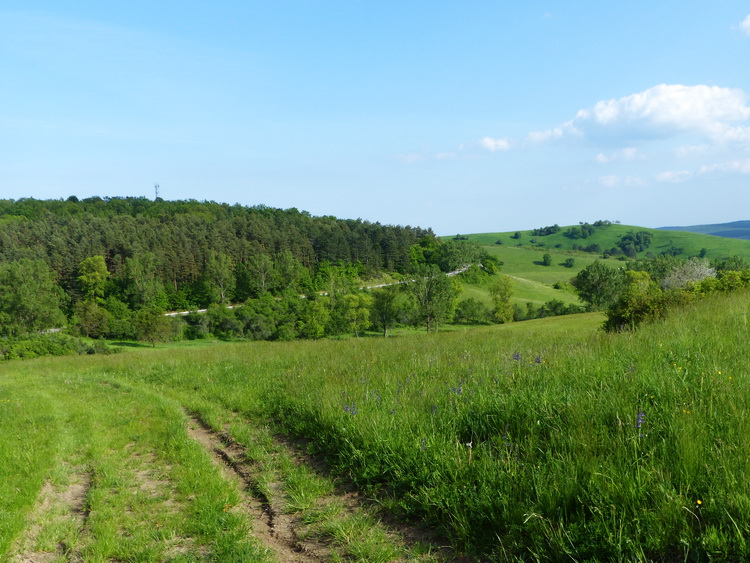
[547, 438]
[522, 257]
[607, 237]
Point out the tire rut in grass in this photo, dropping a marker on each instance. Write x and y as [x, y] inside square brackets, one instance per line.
[409, 533]
[271, 525]
[62, 508]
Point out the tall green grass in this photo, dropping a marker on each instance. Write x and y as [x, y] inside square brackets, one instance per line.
[524, 445]
[517, 444]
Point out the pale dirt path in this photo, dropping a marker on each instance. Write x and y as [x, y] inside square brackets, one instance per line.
[64, 506]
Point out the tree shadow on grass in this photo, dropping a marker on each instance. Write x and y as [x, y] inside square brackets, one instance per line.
[131, 344]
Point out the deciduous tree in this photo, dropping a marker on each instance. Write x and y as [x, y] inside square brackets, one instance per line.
[433, 296]
[386, 308]
[29, 298]
[92, 277]
[152, 325]
[599, 285]
[501, 291]
[220, 278]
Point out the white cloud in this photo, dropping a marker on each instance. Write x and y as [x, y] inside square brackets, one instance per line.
[674, 176]
[616, 181]
[690, 151]
[741, 166]
[494, 145]
[565, 130]
[628, 153]
[666, 110]
[745, 25]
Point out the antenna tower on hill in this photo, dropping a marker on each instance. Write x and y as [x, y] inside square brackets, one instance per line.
[156, 190]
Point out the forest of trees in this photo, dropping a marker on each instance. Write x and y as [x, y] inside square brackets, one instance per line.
[112, 267]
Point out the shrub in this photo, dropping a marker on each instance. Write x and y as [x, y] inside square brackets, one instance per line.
[641, 300]
[55, 344]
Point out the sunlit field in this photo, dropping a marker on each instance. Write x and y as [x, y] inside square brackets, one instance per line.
[543, 440]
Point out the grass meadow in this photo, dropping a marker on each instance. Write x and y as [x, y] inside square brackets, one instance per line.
[522, 258]
[546, 440]
[690, 244]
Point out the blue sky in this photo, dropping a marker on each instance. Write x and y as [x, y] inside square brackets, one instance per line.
[465, 117]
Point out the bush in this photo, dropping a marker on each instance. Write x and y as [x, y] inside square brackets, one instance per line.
[49, 345]
[471, 311]
[640, 301]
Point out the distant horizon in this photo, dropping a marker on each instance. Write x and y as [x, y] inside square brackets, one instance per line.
[449, 116]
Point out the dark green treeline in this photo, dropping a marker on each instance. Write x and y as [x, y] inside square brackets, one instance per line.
[177, 244]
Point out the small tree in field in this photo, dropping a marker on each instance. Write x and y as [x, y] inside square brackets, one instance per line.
[433, 296]
[91, 319]
[501, 292]
[152, 325]
[358, 311]
[599, 285]
[386, 307]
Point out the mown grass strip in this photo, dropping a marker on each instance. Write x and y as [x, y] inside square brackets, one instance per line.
[153, 494]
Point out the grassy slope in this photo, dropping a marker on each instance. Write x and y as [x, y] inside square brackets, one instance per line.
[692, 243]
[518, 439]
[522, 258]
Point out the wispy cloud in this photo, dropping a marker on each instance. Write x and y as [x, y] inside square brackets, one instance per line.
[739, 166]
[628, 153]
[674, 176]
[745, 25]
[494, 145]
[613, 181]
[689, 151]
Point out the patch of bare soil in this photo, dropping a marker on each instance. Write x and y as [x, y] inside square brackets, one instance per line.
[57, 523]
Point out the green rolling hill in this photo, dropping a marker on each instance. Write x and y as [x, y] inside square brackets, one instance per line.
[522, 256]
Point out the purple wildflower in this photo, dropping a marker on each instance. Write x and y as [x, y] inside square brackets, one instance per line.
[639, 422]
